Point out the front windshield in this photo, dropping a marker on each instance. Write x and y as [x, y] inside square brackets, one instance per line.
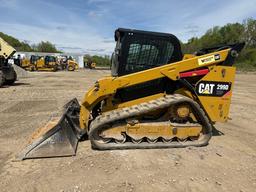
[51, 59]
[145, 53]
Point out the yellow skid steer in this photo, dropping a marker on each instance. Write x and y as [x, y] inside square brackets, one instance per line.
[156, 97]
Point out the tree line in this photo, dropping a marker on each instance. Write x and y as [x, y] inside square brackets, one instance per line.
[229, 34]
[99, 60]
[43, 46]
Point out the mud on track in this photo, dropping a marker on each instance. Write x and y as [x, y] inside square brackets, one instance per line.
[228, 163]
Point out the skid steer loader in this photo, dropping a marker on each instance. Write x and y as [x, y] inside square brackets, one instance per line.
[71, 64]
[7, 73]
[156, 97]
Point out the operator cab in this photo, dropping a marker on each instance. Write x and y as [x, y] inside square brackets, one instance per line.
[49, 59]
[141, 50]
[34, 59]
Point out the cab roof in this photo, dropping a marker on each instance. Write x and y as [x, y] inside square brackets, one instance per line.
[123, 31]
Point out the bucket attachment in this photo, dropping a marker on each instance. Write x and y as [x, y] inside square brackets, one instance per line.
[57, 138]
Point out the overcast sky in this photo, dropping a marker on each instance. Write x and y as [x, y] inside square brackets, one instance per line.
[87, 26]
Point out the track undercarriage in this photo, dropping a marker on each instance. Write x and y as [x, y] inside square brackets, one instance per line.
[182, 124]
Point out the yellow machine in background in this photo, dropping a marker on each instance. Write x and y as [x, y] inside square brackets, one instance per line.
[67, 63]
[91, 65]
[29, 64]
[72, 65]
[25, 63]
[47, 63]
[40, 63]
[155, 98]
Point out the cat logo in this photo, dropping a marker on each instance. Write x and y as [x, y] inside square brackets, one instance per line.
[206, 88]
[213, 88]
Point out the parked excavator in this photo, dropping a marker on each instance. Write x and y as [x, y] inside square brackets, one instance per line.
[156, 97]
[7, 73]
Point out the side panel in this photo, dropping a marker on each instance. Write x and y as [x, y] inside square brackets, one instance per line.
[215, 90]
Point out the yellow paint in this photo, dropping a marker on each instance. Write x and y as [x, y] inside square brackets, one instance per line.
[218, 107]
[106, 88]
[72, 65]
[154, 130]
[6, 50]
[188, 56]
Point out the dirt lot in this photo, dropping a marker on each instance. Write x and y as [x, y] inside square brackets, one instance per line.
[228, 163]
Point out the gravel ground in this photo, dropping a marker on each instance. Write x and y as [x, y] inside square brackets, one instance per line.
[228, 163]
[21, 73]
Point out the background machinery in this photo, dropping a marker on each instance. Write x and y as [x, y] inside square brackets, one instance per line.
[71, 64]
[38, 63]
[47, 63]
[7, 72]
[156, 97]
[27, 64]
[67, 63]
[89, 63]
[33, 62]
[23, 62]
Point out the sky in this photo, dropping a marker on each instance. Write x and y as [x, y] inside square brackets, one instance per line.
[87, 26]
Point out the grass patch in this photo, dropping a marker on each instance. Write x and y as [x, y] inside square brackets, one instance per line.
[245, 66]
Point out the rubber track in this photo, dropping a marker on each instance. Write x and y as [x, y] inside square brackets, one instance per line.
[97, 125]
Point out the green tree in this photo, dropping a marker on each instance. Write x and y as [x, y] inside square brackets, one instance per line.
[46, 46]
[229, 34]
[19, 46]
[250, 32]
[43, 46]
